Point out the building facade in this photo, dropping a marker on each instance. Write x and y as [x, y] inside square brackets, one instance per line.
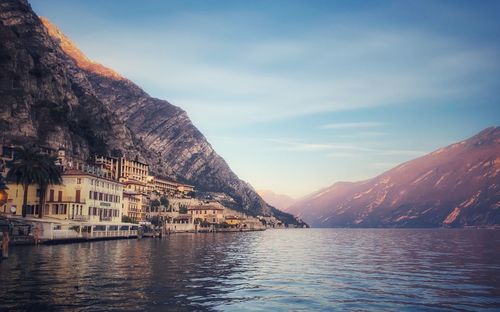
[210, 213]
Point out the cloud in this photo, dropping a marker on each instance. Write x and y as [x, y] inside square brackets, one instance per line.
[223, 80]
[345, 149]
[352, 125]
[383, 165]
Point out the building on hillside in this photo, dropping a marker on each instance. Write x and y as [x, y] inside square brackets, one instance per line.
[132, 169]
[185, 189]
[123, 169]
[164, 186]
[108, 165]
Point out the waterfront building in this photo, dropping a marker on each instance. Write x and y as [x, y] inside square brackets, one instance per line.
[212, 213]
[83, 196]
[233, 221]
[140, 192]
[14, 203]
[131, 205]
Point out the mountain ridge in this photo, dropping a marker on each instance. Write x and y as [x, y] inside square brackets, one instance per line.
[280, 201]
[457, 185]
[54, 95]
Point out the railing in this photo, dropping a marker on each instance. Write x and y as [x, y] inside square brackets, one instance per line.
[119, 233]
[80, 218]
[58, 234]
[66, 199]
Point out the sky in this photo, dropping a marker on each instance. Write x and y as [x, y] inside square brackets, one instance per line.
[297, 95]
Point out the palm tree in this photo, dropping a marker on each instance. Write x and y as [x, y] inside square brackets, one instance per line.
[51, 175]
[31, 167]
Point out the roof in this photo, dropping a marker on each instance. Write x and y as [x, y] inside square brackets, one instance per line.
[182, 218]
[205, 207]
[129, 192]
[76, 172]
[233, 218]
[134, 181]
[168, 180]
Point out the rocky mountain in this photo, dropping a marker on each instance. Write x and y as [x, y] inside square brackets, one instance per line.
[455, 186]
[52, 94]
[279, 201]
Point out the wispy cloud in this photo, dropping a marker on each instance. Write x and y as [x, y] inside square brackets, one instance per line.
[300, 146]
[263, 80]
[362, 134]
[352, 125]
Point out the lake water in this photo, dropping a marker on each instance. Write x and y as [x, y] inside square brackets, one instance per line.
[275, 270]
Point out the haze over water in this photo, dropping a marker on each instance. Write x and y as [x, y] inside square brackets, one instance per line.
[313, 269]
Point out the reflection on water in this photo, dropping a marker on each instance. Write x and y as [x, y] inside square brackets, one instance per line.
[340, 269]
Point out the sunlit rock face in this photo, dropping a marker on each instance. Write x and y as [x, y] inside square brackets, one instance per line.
[53, 94]
[458, 185]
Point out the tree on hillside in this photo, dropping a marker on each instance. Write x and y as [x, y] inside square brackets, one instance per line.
[51, 176]
[31, 167]
[164, 202]
[155, 203]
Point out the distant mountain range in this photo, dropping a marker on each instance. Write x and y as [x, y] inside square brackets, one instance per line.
[279, 201]
[53, 95]
[455, 186]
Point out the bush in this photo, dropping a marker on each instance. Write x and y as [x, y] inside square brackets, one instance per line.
[127, 219]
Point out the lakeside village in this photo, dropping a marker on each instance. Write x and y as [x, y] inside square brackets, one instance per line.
[111, 197]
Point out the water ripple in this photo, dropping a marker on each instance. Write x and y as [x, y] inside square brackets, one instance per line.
[299, 270]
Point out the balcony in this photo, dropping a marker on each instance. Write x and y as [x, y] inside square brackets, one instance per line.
[80, 218]
[66, 199]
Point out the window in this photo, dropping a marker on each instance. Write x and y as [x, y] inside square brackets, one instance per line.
[90, 194]
[100, 196]
[78, 180]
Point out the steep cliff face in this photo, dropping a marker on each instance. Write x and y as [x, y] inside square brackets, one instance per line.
[41, 101]
[53, 94]
[458, 185]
